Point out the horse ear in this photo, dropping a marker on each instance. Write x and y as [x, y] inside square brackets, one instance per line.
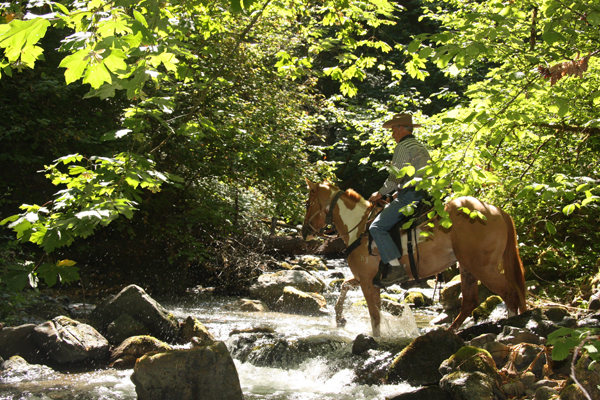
[310, 185]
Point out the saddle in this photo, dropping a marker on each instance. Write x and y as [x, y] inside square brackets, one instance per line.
[406, 239]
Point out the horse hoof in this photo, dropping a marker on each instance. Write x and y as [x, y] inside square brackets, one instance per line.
[341, 323]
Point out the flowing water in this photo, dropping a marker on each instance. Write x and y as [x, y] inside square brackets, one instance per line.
[315, 378]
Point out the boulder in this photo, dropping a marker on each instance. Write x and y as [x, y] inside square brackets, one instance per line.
[394, 308]
[126, 354]
[18, 341]
[269, 287]
[16, 369]
[451, 294]
[247, 305]
[464, 385]
[193, 328]
[67, 341]
[205, 372]
[134, 301]
[294, 301]
[418, 364]
[123, 327]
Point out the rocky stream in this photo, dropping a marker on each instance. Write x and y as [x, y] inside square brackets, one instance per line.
[282, 342]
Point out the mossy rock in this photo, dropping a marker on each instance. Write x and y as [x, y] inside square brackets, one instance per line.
[418, 299]
[484, 310]
[471, 359]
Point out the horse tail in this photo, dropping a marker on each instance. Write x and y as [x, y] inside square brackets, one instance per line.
[511, 261]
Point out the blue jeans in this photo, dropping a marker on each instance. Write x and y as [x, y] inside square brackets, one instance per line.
[387, 218]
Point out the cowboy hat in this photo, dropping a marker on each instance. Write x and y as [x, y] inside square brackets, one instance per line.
[400, 119]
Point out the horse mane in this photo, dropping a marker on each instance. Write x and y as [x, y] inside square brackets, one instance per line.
[353, 195]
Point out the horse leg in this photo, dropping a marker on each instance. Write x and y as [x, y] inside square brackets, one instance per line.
[470, 300]
[374, 304]
[339, 305]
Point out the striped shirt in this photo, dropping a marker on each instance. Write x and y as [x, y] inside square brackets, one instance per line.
[408, 151]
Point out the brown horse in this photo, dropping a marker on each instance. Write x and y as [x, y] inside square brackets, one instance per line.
[485, 248]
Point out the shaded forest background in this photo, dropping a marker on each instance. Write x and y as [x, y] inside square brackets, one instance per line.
[146, 141]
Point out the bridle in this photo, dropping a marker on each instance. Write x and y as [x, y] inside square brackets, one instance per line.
[328, 211]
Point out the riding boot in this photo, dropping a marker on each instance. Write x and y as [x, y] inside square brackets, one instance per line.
[388, 275]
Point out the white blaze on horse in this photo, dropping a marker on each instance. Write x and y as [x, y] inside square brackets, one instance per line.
[486, 249]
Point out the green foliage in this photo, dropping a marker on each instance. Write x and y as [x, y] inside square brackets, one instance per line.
[564, 340]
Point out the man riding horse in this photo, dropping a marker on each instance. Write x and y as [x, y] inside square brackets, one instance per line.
[408, 151]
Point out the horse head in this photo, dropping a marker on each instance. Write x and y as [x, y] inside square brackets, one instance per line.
[317, 205]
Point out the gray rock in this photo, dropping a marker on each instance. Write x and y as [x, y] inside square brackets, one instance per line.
[468, 385]
[206, 373]
[67, 341]
[123, 327]
[515, 388]
[18, 341]
[134, 301]
[269, 287]
[418, 364]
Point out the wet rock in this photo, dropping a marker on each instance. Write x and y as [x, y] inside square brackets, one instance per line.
[471, 359]
[469, 385]
[532, 357]
[363, 343]
[17, 369]
[247, 305]
[126, 354]
[418, 299]
[335, 275]
[206, 373]
[269, 350]
[294, 301]
[193, 328]
[134, 301]
[418, 364]
[336, 284]
[484, 310]
[257, 329]
[19, 341]
[427, 392]
[123, 327]
[269, 287]
[480, 329]
[67, 341]
[394, 308]
[513, 335]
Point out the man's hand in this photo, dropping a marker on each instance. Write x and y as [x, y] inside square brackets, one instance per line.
[374, 197]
